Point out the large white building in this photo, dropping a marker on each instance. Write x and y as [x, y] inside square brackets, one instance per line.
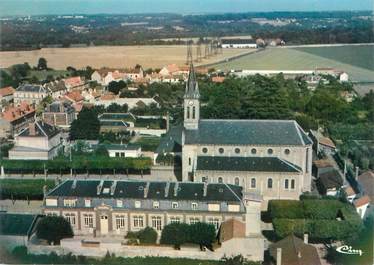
[272, 158]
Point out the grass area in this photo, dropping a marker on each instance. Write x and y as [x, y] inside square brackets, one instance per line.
[360, 56]
[298, 59]
[24, 188]
[148, 143]
[42, 75]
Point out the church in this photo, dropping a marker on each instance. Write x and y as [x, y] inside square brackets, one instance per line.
[268, 158]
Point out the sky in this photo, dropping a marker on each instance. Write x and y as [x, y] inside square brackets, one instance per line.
[42, 7]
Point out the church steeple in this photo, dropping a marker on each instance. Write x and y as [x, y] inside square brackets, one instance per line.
[191, 101]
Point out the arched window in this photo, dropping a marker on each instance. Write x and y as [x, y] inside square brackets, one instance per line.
[253, 183]
[270, 183]
[193, 113]
[237, 181]
[188, 112]
[220, 180]
[292, 184]
[286, 184]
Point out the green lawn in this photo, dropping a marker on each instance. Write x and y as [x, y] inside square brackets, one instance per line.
[148, 143]
[42, 75]
[355, 60]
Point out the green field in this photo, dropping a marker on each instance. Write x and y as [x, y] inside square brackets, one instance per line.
[42, 75]
[357, 61]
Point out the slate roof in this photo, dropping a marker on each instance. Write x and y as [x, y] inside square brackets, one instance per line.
[256, 164]
[16, 224]
[114, 123]
[238, 41]
[248, 132]
[171, 142]
[135, 190]
[31, 88]
[41, 129]
[295, 252]
[55, 107]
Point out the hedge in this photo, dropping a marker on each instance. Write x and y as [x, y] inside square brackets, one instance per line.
[286, 209]
[80, 164]
[24, 189]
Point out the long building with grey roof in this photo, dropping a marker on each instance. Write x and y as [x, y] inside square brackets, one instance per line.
[272, 158]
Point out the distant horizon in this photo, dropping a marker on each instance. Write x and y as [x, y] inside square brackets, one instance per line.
[10, 8]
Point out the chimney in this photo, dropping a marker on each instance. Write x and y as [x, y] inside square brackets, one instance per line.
[146, 189]
[176, 187]
[99, 187]
[167, 187]
[113, 187]
[205, 188]
[279, 256]
[167, 122]
[32, 130]
[306, 238]
[74, 185]
[357, 170]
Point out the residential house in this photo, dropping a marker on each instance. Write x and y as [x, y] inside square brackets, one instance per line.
[362, 204]
[59, 113]
[76, 83]
[330, 182]
[74, 96]
[322, 143]
[130, 102]
[6, 94]
[366, 184]
[32, 94]
[105, 75]
[123, 150]
[134, 73]
[238, 43]
[17, 229]
[218, 79]
[14, 119]
[40, 141]
[294, 251]
[56, 88]
[321, 166]
[350, 193]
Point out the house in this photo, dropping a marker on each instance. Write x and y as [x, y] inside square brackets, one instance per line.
[56, 88]
[40, 141]
[344, 77]
[14, 119]
[134, 73]
[75, 83]
[59, 113]
[330, 182]
[321, 166]
[6, 94]
[130, 102]
[294, 251]
[270, 157]
[115, 207]
[74, 96]
[105, 75]
[31, 94]
[123, 150]
[361, 204]
[16, 229]
[350, 193]
[366, 184]
[238, 43]
[116, 122]
[322, 143]
[218, 79]
[171, 69]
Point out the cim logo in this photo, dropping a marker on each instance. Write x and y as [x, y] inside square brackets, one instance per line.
[348, 250]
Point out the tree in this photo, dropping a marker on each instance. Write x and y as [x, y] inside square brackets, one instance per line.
[115, 87]
[203, 234]
[101, 150]
[175, 234]
[86, 126]
[42, 64]
[147, 236]
[53, 229]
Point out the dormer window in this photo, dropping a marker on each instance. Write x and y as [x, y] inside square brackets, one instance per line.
[119, 203]
[138, 204]
[70, 202]
[174, 205]
[156, 205]
[87, 203]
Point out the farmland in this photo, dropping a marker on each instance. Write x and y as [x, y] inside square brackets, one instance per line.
[355, 60]
[110, 56]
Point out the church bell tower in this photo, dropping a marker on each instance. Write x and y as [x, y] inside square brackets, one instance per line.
[191, 102]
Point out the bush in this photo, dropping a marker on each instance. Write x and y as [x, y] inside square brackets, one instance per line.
[202, 234]
[321, 209]
[53, 229]
[147, 236]
[286, 209]
[175, 234]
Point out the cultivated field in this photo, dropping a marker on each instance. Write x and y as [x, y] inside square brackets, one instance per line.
[357, 61]
[111, 56]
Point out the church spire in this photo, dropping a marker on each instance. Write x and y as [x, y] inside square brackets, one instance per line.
[192, 88]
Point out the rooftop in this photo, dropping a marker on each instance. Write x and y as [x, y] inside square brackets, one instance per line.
[16, 224]
[40, 129]
[330, 179]
[31, 88]
[6, 91]
[15, 113]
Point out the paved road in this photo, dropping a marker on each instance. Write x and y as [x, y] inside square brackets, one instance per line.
[325, 45]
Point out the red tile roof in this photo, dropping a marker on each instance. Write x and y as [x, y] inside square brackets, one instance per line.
[6, 91]
[15, 113]
[218, 79]
[327, 142]
[349, 191]
[74, 96]
[73, 81]
[361, 201]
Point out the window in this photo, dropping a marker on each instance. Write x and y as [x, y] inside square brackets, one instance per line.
[270, 183]
[194, 220]
[175, 220]
[70, 217]
[253, 151]
[188, 112]
[205, 150]
[189, 161]
[253, 183]
[204, 179]
[138, 204]
[156, 205]
[221, 150]
[194, 206]
[119, 203]
[220, 180]
[51, 202]
[286, 186]
[156, 223]
[287, 151]
[52, 214]
[193, 112]
[69, 203]
[174, 205]
[120, 222]
[138, 221]
[292, 184]
[117, 154]
[88, 220]
[270, 151]
[307, 160]
[236, 181]
[87, 203]
[237, 150]
[213, 207]
[215, 222]
[234, 208]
